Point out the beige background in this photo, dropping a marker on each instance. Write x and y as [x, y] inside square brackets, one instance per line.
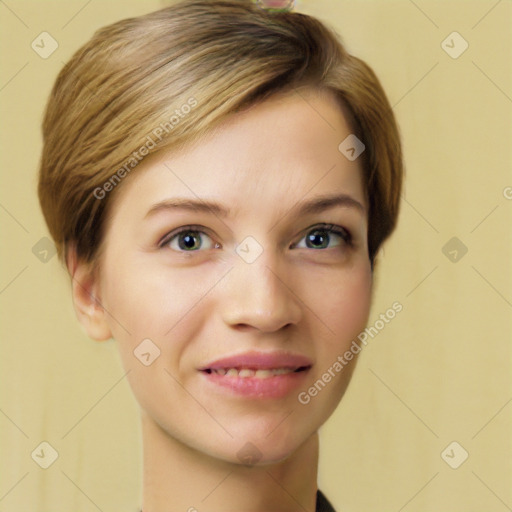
[439, 372]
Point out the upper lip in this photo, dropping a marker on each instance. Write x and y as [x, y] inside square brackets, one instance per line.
[260, 361]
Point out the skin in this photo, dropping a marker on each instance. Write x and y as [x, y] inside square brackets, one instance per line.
[200, 305]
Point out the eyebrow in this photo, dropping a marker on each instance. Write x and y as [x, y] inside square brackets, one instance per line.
[310, 206]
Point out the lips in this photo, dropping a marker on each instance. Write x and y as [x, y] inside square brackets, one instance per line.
[260, 361]
[257, 374]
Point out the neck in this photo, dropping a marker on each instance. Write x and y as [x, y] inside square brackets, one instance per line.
[180, 477]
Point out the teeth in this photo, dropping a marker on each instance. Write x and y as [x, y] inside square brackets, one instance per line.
[264, 374]
[247, 372]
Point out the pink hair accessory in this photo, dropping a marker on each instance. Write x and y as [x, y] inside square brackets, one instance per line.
[276, 5]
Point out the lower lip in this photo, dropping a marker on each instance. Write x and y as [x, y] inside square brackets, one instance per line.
[277, 386]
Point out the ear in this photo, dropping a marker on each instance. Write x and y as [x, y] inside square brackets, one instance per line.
[86, 297]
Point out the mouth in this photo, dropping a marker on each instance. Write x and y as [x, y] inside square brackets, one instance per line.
[257, 375]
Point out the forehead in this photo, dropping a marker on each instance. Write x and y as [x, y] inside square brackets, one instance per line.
[271, 154]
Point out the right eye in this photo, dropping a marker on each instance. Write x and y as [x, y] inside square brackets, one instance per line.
[188, 239]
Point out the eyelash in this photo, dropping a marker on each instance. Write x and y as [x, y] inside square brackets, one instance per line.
[329, 229]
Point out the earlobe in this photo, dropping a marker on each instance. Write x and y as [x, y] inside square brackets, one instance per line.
[87, 299]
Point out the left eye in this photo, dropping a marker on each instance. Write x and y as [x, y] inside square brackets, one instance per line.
[321, 238]
[188, 240]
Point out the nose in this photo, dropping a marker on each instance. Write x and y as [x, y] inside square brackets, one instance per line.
[260, 296]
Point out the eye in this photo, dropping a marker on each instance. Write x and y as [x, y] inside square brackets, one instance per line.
[188, 239]
[325, 236]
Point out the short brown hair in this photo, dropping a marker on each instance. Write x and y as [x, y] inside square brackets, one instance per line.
[214, 57]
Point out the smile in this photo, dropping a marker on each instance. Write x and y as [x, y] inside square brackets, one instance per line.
[245, 373]
[262, 375]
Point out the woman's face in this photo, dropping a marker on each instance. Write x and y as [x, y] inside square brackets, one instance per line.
[224, 325]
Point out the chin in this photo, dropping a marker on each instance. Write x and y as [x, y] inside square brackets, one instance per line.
[258, 446]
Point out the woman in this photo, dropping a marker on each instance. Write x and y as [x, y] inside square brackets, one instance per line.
[218, 179]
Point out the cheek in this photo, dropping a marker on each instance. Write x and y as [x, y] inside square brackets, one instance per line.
[345, 300]
[158, 305]
[143, 302]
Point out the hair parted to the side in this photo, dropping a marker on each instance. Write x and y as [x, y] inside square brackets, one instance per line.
[217, 57]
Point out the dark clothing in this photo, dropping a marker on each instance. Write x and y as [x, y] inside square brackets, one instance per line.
[322, 503]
